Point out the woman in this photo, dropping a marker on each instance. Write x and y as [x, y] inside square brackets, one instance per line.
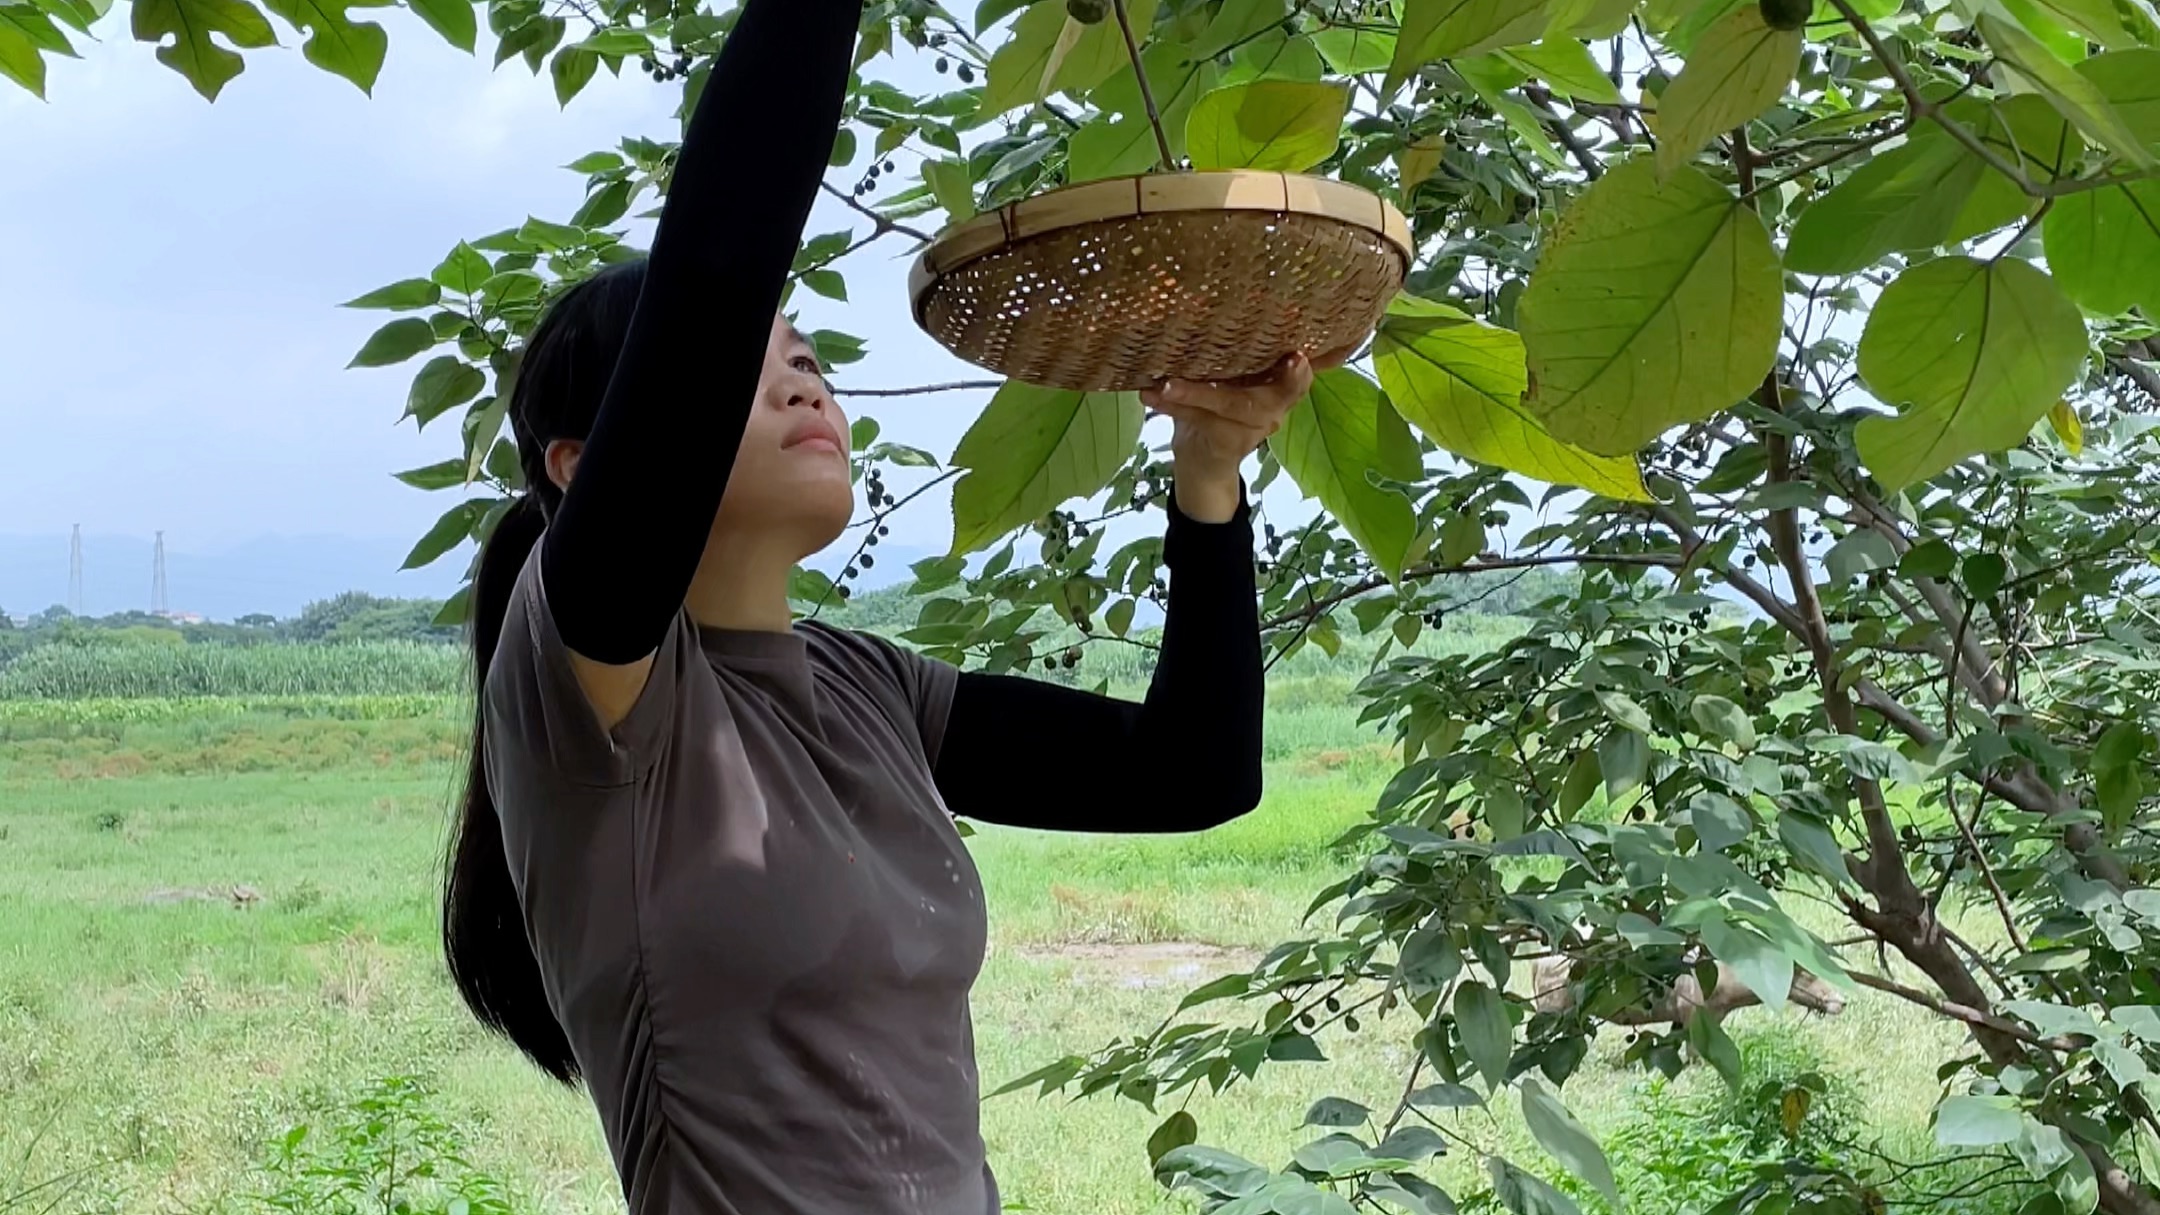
[706, 861]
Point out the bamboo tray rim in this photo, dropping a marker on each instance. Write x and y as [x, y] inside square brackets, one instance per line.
[1226, 190]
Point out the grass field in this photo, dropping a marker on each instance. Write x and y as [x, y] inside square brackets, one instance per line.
[161, 1033]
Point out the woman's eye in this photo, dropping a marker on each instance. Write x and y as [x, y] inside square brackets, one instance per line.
[807, 365]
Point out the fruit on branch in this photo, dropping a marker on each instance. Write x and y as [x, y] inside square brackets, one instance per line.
[1087, 12]
[1786, 14]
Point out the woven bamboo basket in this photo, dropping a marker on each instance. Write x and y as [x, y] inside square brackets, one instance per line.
[1119, 285]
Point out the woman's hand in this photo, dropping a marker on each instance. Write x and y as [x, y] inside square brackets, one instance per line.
[1218, 425]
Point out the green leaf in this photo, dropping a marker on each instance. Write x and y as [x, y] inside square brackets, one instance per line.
[444, 384]
[1178, 1130]
[1624, 711]
[1811, 843]
[394, 343]
[2104, 247]
[1429, 961]
[1972, 353]
[1462, 538]
[1119, 617]
[336, 43]
[22, 56]
[1965, 1121]
[1034, 449]
[1328, 442]
[1984, 574]
[1932, 190]
[452, 529]
[828, 283]
[1524, 1194]
[1559, 1133]
[400, 296]
[1719, 821]
[1738, 70]
[1111, 147]
[1762, 966]
[1336, 1111]
[1452, 29]
[1355, 52]
[948, 182]
[2072, 94]
[454, 20]
[1722, 718]
[1583, 778]
[1487, 1034]
[571, 70]
[2117, 771]
[194, 27]
[445, 475]
[1709, 1040]
[1652, 306]
[1237, 22]
[1566, 65]
[1418, 161]
[1928, 559]
[1295, 1048]
[1863, 551]
[1284, 125]
[1461, 383]
[463, 271]
[1020, 73]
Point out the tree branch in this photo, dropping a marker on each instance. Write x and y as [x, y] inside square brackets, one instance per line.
[1147, 93]
[1961, 1012]
[884, 224]
[1321, 605]
[921, 390]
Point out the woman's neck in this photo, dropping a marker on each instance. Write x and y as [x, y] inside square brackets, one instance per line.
[742, 584]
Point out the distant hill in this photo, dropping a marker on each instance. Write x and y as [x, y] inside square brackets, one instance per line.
[269, 575]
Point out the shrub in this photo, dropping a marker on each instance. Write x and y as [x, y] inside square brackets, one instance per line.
[385, 1150]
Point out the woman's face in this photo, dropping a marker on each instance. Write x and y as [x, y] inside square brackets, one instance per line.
[791, 476]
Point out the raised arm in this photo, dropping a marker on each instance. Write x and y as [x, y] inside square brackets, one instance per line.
[1185, 759]
[1188, 756]
[620, 554]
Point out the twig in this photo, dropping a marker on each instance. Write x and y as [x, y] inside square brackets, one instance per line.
[920, 390]
[1960, 1012]
[884, 224]
[1322, 605]
[1147, 93]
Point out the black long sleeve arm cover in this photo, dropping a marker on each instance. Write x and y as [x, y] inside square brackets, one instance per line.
[1185, 759]
[620, 553]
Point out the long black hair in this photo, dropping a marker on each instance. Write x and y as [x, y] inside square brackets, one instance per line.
[556, 395]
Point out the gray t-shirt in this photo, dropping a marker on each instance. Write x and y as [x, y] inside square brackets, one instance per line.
[753, 916]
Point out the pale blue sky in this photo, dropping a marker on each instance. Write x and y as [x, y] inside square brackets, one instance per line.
[171, 352]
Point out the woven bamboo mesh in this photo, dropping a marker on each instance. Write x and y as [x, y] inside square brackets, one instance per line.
[1206, 291]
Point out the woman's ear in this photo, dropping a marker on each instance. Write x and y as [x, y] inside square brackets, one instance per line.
[562, 459]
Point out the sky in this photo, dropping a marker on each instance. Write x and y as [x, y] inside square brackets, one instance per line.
[172, 353]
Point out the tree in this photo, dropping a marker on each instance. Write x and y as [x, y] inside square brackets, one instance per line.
[1839, 313]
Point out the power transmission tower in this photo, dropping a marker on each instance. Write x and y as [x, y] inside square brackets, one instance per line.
[157, 580]
[75, 604]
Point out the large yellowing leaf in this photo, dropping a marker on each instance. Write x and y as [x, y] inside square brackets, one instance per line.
[1023, 72]
[1286, 125]
[1450, 29]
[1972, 354]
[335, 42]
[194, 28]
[1461, 381]
[1739, 68]
[1652, 305]
[2073, 94]
[1034, 449]
[1328, 443]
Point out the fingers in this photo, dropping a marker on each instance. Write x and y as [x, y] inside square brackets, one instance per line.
[1253, 401]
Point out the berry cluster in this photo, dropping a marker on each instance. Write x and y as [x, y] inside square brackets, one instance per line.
[664, 72]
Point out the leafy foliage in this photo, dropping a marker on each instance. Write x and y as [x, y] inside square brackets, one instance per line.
[1756, 291]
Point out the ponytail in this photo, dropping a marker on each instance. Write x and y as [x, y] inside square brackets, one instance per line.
[491, 960]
